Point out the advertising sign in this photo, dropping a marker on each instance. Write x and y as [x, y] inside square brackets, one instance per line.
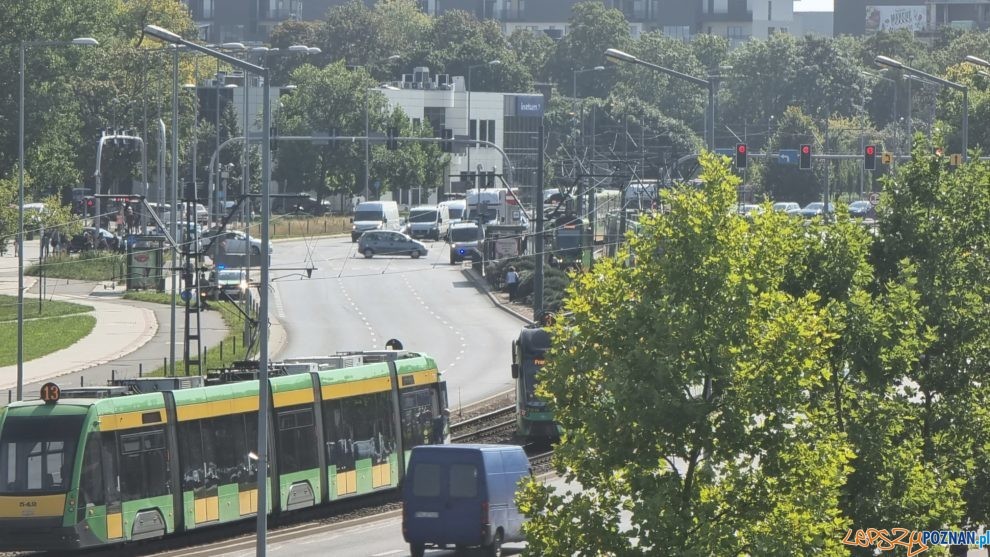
[890, 18]
[529, 105]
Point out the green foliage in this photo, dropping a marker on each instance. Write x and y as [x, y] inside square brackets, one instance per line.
[591, 30]
[701, 332]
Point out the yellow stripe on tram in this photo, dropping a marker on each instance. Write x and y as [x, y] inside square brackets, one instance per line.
[130, 420]
[32, 506]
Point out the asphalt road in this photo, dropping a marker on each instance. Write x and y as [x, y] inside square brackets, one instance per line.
[353, 303]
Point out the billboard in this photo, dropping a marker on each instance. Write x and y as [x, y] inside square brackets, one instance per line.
[529, 105]
[890, 18]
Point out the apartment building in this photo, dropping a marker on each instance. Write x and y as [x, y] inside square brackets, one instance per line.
[924, 17]
[253, 20]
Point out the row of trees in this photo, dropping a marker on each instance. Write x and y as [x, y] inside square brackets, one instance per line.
[775, 93]
[759, 387]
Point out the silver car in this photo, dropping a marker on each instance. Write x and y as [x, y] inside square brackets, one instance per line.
[388, 242]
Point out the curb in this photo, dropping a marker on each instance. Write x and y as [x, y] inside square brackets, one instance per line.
[482, 285]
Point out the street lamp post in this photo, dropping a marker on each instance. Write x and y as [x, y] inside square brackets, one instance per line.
[495, 62]
[710, 84]
[80, 41]
[891, 63]
[263, 387]
[367, 132]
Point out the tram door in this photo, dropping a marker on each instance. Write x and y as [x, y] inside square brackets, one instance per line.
[111, 482]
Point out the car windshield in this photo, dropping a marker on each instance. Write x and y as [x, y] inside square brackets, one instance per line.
[816, 206]
[234, 275]
[465, 234]
[37, 453]
[783, 206]
[859, 204]
[455, 212]
[368, 215]
[423, 216]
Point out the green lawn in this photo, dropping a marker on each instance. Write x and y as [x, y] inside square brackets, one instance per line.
[39, 339]
[90, 265]
[49, 308]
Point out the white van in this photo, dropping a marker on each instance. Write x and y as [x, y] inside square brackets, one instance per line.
[428, 221]
[375, 215]
[455, 209]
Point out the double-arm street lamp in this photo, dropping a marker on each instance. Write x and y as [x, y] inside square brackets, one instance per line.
[81, 41]
[614, 55]
[495, 62]
[263, 389]
[891, 63]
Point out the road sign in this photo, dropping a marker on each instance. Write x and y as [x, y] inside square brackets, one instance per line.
[725, 151]
[955, 159]
[787, 156]
[887, 158]
[874, 198]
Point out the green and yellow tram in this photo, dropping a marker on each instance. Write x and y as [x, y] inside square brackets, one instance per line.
[77, 472]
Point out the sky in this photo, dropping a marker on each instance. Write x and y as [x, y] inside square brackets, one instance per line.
[813, 6]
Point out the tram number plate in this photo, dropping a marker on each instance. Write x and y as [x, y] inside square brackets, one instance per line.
[425, 514]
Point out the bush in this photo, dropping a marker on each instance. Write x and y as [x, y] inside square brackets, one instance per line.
[555, 281]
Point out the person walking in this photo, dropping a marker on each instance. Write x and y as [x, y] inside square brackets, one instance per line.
[512, 282]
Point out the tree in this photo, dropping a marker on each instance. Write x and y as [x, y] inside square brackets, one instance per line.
[710, 469]
[534, 50]
[786, 181]
[592, 29]
[936, 219]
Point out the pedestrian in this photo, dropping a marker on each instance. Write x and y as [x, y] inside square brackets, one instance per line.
[512, 282]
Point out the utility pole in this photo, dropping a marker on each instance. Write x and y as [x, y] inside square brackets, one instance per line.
[538, 244]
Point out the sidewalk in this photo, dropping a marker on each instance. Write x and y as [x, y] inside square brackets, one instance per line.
[500, 299]
[130, 338]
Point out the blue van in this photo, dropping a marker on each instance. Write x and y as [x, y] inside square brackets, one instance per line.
[463, 495]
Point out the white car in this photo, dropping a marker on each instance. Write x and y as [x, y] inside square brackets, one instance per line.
[237, 243]
[787, 207]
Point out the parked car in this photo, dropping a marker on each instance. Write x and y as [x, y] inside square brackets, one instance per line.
[387, 242]
[787, 207]
[862, 209]
[815, 209]
[749, 209]
[463, 495]
[235, 243]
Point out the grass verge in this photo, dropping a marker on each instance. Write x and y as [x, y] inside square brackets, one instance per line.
[231, 348]
[38, 338]
[88, 265]
[49, 308]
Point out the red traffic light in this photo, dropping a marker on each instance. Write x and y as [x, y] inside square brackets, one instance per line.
[741, 148]
[90, 202]
[806, 149]
[871, 150]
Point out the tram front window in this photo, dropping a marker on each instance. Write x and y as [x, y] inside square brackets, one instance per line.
[530, 370]
[37, 454]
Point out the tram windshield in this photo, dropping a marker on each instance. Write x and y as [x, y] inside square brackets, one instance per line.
[36, 455]
[531, 366]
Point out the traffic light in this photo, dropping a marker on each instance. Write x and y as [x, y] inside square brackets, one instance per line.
[391, 143]
[447, 146]
[804, 161]
[741, 155]
[273, 135]
[870, 157]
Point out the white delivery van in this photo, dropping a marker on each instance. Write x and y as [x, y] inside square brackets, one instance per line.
[375, 215]
[428, 221]
[455, 209]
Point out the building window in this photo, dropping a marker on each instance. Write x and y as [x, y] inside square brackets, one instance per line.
[769, 11]
[679, 32]
[491, 131]
[207, 9]
[473, 129]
